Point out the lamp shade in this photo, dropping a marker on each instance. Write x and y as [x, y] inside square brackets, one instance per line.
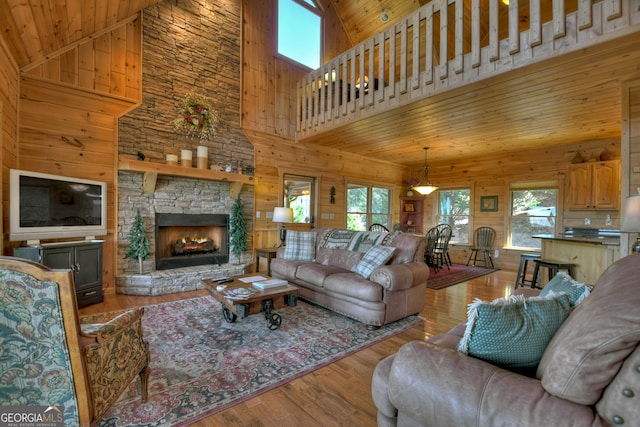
[425, 189]
[631, 215]
[282, 215]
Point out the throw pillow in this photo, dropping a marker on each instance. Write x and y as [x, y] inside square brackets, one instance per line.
[372, 259]
[300, 246]
[562, 282]
[513, 332]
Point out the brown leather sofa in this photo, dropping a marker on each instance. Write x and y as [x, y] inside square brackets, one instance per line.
[589, 374]
[393, 291]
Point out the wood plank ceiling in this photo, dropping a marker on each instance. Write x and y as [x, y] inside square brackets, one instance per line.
[566, 101]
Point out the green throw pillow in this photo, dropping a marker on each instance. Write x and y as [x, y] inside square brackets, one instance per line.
[513, 332]
[300, 246]
[374, 257]
[562, 282]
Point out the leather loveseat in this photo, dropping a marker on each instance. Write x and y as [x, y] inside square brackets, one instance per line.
[589, 374]
[326, 277]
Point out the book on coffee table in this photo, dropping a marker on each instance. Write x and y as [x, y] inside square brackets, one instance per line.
[271, 283]
[239, 293]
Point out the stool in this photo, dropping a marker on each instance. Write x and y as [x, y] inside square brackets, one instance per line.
[521, 279]
[552, 268]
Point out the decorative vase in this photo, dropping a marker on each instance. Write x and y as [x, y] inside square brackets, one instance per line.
[410, 193]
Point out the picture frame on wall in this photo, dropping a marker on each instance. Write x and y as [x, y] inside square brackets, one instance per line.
[488, 203]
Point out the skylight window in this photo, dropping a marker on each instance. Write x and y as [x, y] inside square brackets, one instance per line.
[300, 31]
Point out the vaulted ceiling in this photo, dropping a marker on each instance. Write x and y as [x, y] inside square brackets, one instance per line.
[567, 101]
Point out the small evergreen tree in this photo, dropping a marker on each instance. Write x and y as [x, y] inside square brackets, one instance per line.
[238, 229]
[138, 242]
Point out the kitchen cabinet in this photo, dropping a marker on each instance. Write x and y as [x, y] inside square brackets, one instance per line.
[83, 258]
[411, 214]
[594, 185]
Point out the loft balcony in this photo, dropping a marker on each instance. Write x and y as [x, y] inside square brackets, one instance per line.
[447, 44]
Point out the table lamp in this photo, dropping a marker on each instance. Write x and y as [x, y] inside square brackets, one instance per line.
[282, 215]
[631, 219]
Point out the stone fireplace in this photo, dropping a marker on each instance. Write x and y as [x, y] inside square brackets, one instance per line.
[187, 223]
[186, 240]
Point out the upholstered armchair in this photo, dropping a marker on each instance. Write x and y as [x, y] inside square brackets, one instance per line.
[50, 359]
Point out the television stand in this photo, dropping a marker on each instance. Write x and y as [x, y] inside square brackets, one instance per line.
[83, 258]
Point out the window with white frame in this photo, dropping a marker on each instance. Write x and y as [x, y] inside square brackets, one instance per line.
[366, 205]
[300, 32]
[454, 209]
[533, 211]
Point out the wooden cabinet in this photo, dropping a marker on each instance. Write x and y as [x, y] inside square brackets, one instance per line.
[594, 185]
[83, 258]
[411, 214]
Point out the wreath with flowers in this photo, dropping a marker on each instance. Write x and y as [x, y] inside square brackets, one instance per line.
[197, 117]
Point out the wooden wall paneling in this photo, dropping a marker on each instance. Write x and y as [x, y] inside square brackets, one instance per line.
[86, 66]
[630, 184]
[69, 67]
[69, 131]
[118, 61]
[109, 63]
[9, 95]
[102, 52]
[275, 156]
[270, 81]
[133, 69]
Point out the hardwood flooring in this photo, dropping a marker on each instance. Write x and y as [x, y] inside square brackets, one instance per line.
[338, 394]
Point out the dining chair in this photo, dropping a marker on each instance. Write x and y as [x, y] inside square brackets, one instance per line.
[442, 245]
[429, 254]
[483, 240]
[378, 228]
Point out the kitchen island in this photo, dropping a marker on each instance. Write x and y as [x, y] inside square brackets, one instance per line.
[591, 250]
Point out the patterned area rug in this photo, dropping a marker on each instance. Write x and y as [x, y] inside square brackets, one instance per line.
[457, 274]
[201, 364]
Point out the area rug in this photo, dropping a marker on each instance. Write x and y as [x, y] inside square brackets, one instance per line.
[457, 274]
[201, 364]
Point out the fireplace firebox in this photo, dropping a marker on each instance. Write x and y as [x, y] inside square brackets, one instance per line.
[185, 240]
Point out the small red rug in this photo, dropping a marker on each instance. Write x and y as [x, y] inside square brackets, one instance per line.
[456, 274]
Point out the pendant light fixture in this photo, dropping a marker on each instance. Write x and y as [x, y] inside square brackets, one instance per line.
[424, 187]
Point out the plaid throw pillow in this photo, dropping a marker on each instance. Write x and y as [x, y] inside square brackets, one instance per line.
[300, 246]
[372, 259]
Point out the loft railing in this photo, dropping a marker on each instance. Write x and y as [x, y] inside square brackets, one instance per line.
[447, 44]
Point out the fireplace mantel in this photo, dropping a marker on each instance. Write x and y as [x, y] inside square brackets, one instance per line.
[151, 171]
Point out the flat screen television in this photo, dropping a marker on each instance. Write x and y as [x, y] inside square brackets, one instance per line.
[44, 206]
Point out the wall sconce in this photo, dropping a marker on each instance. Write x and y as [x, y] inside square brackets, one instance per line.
[283, 216]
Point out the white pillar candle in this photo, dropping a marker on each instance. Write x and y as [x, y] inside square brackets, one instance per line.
[186, 158]
[202, 157]
[172, 159]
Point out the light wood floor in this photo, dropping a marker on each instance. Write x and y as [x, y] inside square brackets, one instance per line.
[339, 394]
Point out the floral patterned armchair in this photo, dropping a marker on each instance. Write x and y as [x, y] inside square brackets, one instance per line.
[48, 358]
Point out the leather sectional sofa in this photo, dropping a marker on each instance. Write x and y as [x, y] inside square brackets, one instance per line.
[588, 375]
[327, 277]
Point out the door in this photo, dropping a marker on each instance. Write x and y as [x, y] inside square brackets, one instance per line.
[300, 195]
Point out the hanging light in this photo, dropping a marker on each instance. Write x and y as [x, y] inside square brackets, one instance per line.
[424, 187]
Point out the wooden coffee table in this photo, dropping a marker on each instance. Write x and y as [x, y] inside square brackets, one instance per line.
[263, 301]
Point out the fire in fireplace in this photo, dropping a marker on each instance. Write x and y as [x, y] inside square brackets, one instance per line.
[184, 240]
